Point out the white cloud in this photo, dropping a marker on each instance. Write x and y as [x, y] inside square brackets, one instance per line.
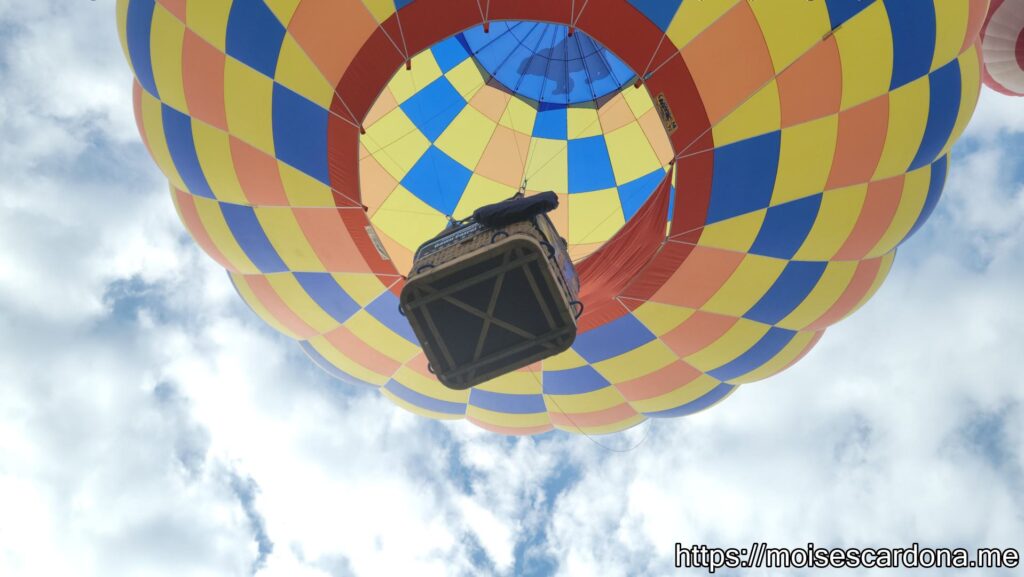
[71, 170]
[150, 425]
[997, 114]
[105, 472]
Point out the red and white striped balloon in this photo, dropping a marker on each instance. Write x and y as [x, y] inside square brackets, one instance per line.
[1003, 47]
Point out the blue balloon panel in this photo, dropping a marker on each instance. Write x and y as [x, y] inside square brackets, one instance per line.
[542, 62]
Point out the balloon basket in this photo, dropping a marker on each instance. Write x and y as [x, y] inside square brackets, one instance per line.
[485, 301]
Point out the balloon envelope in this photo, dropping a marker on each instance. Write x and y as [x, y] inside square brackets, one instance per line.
[1003, 47]
[747, 193]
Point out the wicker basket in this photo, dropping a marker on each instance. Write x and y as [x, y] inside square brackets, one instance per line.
[487, 301]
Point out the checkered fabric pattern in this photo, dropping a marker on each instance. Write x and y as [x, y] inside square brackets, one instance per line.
[829, 125]
[441, 140]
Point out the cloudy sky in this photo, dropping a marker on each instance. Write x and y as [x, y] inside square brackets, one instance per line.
[151, 425]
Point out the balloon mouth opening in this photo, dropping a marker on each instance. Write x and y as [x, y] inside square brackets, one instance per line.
[506, 106]
[546, 62]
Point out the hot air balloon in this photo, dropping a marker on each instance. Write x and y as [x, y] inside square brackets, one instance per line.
[1003, 47]
[733, 176]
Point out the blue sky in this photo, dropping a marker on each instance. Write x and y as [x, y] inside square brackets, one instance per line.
[151, 425]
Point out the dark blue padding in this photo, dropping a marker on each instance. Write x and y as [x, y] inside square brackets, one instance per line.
[507, 403]
[573, 381]
[423, 401]
[943, 109]
[137, 29]
[763, 351]
[658, 11]
[449, 53]
[786, 227]
[612, 339]
[385, 309]
[913, 39]
[325, 291]
[182, 146]
[797, 281]
[254, 36]
[590, 168]
[434, 107]
[938, 181]
[300, 133]
[744, 176]
[438, 180]
[248, 231]
[839, 11]
[699, 404]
